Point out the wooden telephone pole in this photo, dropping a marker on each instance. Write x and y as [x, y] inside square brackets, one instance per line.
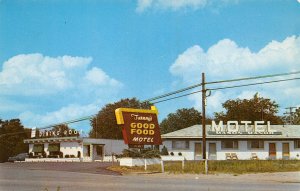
[203, 123]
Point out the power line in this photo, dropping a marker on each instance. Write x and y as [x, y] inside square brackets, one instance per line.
[256, 77]
[221, 81]
[185, 89]
[191, 87]
[69, 122]
[177, 97]
[252, 84]
[172, 93]
[53, 125]
[227, 87]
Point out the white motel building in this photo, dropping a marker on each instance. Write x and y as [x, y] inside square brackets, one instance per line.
[236, 142]
[232, 141]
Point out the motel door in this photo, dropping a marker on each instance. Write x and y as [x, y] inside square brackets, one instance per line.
[98, 152]
[198, 151]
[285, 150]
[212, 152]
[272, 150]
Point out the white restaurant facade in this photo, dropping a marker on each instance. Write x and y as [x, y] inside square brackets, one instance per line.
[258, 140]
[75, 149]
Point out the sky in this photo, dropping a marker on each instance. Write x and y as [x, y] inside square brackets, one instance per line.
[62, 60]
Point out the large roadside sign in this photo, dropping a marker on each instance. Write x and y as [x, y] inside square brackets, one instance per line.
[139, 126]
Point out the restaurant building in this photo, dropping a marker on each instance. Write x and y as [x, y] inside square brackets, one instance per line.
[236, 141]
[72, 147]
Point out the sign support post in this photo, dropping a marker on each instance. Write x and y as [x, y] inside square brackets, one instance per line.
[203, 123]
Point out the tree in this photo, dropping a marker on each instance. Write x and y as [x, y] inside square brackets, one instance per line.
[12, 135]
[254, 109]
[182, 118]
[104, 125]
[293, 118]
[296, 119]
[61, 127]
[64, 130]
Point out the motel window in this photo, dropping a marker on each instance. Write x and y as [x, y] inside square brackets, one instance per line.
[230, 144]
[297, 144]
[180, 144]
[256, 144]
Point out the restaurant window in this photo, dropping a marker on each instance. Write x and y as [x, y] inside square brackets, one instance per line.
[38, 149]
[256, 144]
[230, 144]
[297, 144]
[54, 148]
[180, 144]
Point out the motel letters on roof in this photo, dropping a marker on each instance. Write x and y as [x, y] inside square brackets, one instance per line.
[139, 126]
[242, 128]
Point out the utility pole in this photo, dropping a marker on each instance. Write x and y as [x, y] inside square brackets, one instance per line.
[203, 123]
[290, 114]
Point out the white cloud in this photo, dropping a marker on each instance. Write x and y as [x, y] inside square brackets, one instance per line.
[47, 90]
[175, 5]
[143, 4]
[67, 113]
[226, 60]
[169, 4]
[35, 74]
[99, 77]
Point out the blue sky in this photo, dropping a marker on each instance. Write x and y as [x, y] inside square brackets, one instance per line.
[61, 60]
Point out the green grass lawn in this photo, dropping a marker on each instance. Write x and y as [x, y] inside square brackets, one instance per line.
[230, 167]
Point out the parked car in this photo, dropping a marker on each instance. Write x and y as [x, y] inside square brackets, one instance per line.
[19, 157]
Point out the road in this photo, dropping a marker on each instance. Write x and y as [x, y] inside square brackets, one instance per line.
[31, 178]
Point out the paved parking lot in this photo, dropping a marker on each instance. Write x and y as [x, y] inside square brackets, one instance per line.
[81, 167]
[94, 176]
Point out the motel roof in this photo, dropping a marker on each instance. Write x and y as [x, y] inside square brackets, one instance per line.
[195, 132]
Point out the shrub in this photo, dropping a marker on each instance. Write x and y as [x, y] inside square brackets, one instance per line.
[171, 153]
[61, 154]
[179, 154]
[44, 154]
[134, 153]
[164, 151]
[150, 153]
[143, 153]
